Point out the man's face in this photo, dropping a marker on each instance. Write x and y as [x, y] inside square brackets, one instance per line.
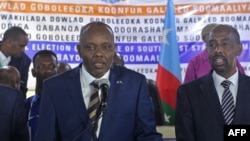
[97, 49]
[222, 50]
[45, 66]
[15, 78]
[17, 47]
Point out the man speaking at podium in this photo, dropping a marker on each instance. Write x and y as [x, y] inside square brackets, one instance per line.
[121, 110]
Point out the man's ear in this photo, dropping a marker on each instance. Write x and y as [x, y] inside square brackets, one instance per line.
[79, 50]
[9, 42]
[239, 49]
[33, 72]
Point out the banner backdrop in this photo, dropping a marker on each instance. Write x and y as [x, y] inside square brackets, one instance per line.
[137, 24]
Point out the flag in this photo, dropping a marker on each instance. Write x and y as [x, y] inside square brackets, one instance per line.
[168, 76]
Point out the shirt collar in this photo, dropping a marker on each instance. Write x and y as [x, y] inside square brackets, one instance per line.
[35, 98]
[4, 58]
[88, 78]
[219, 79]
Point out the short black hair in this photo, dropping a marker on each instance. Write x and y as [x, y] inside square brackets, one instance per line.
[231, 29]
[42, 52]
[95, 23]
[236, 34]
[13, 33]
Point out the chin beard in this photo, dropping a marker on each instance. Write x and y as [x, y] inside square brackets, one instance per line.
[219, 69]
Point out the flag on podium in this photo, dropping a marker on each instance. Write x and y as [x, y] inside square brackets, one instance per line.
[168, 76]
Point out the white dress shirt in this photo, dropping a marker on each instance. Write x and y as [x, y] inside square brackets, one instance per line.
[87, 89]
[233, 86]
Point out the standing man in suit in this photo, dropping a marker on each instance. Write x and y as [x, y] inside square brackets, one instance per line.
[199, 65]
[44, 66]
[13, 119]
[200, 103]
[12, 48]
[64, 105]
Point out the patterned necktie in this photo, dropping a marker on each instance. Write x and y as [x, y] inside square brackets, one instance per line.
[93, 105]
[227, 103]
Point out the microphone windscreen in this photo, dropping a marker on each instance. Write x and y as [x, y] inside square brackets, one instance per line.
[101, 82]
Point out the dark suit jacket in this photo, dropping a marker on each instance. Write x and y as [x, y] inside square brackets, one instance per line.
[22, 64]
[198, 111]
[128, 117]
[13, 119]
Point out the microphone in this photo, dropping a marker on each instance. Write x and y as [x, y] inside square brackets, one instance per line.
[104, 85]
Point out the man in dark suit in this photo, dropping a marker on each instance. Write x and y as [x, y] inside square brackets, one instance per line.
[66, 97]
[12, 49]
[45, 65]
[13, 119]
[200, 114]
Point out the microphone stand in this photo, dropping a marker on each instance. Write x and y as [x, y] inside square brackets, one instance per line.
[100, 112]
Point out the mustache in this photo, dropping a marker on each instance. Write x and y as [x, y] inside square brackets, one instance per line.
[219, 56]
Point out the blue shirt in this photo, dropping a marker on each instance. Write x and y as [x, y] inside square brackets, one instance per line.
[33, 104]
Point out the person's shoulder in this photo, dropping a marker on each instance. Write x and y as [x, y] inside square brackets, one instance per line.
[244, 77]
[25, 56]
[63, 76]
[199, 81]
[7, 88]
[23, 59]
[10, 97]
[127, 71]
[9, 91]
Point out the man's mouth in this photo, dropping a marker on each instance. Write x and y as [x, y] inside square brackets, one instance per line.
[98, 64]
[219, 60]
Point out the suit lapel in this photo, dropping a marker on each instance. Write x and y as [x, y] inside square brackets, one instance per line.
[114, 82]
[242, 99]
[210, 94]
[74, 85]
